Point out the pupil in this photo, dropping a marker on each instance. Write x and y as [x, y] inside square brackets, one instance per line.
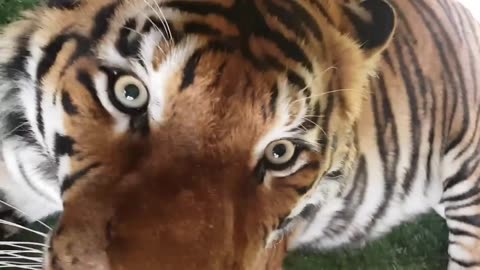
[279, 150]
[131, 92]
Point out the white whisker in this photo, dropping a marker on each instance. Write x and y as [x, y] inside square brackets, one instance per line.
[316, 124]
[19, 266]
[144, 37]
[17, 244]
[37, 259]
[162, 18]
[165, 21]
[158, 30]
[323, 94]
[17, 251]
[12, 224]
[22, 212]
[14, 130]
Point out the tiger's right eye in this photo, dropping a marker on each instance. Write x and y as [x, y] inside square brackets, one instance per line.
[131, 93]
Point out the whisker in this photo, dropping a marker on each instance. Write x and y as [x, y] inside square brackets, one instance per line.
[12, 224]
[15, 129]
[22, 212]
[158, 30]
[320, 116]
[144, 37]
[25, 249]
[29, 267]
[165, 23]
[37, 259]
[18, 244]
[317, 125]
[16, 251]
[324, 94]
[162, 18]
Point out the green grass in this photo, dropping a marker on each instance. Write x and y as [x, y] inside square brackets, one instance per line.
[418, 246]
[10, 8]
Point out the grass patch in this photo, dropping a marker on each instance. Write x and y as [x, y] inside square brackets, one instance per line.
[421, 245]
[9, 9]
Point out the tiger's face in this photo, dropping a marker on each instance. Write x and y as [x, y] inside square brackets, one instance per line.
[195, 133]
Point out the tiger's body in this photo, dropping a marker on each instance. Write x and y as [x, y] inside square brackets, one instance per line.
[418, 137]
[409, 143]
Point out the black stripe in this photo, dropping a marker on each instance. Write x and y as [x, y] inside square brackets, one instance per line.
[297, 19]
[39, 110]
[50, 53]
[17, 65]
[388, 59]
[64, 4]
[285, 17]
[460, 232]
[355, 197]
[414, 131]
[64, 145]
[473, 60]
[463, 196]
[126, 46]
[190, 68]
[84, 78]
[200, 28]
[465, 205]
[296, 80]
[431, 136]
[309, 211]
[273, 100]
[102, 21]
[388, 145]
[464, 263]
[156, 24]
[192, 63]
[455, 71]
[463, 174]
[322, 10]
[326, 115]
[200, 8]
[15, 123]
[252, 25]
[311, 121]
[68, 106]
[473, 220]
[70, 180]
[447, 9]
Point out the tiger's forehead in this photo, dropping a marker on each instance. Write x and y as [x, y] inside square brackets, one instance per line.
[134, 29]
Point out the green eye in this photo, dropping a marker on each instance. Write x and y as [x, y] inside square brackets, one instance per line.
[131, 92]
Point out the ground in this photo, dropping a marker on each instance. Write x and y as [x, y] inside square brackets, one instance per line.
[418, 246]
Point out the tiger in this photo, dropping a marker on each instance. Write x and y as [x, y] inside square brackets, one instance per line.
[224, 134]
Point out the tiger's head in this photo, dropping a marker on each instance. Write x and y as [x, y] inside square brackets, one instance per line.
[194, 134]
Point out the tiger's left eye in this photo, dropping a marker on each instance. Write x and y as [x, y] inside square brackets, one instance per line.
[131, 93]
[280, 152]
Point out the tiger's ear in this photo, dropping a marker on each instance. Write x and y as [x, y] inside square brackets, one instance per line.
[373, 23]
[63, 4]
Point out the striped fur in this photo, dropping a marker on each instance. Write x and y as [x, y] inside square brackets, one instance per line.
[382, 136]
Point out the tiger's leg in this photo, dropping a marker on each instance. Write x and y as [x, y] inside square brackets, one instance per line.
[461, 201]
